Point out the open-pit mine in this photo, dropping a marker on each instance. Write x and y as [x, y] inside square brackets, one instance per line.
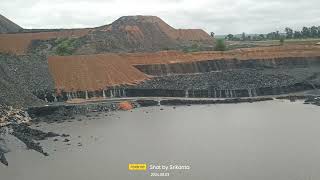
[101, 98]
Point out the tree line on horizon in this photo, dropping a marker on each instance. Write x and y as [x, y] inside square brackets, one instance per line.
[289, 33]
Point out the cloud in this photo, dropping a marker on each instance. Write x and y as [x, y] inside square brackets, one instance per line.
[219, 16]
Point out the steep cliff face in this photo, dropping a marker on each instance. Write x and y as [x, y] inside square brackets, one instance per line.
[7, 26]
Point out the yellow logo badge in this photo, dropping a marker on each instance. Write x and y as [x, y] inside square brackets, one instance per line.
[137, 167]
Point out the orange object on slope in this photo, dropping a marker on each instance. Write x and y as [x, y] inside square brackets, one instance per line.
[125, 105]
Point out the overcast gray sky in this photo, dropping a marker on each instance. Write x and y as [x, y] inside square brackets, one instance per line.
[219, 16]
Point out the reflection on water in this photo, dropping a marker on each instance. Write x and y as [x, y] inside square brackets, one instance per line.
[267, 140]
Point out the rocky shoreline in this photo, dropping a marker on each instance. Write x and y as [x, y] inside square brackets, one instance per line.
[30, 137]
[16, 122]
[3, 149]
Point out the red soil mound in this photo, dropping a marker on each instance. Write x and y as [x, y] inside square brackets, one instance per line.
[19, 43]
[141, 34]
[176, 34]
[193, 35]
[95, 72]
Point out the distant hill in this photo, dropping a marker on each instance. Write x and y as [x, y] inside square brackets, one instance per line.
[7, 26]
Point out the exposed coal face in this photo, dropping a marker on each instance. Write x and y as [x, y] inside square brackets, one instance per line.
[231, 79]
[231, 83]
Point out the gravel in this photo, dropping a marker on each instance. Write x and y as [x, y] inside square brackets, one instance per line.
[23, 79]
[231, 79]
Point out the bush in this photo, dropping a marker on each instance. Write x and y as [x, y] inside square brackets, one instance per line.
[65, 47]
[281, 40]
[220, 45]
[192, 48]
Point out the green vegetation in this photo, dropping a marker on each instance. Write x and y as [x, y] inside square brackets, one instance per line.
[281, 41]
[220, 45]
[65, 46]
[193, 48]
[289, 33]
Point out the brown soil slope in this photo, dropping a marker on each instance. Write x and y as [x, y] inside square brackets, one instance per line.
[95, 72]
[92, 72]
[19, 43]
[7, 26]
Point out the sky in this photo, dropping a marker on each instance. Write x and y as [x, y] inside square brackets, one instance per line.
[219, 16]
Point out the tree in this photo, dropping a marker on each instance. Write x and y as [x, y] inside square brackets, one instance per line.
[243, 36]
[306, 32]
[277, 35]
[314, 31]
[269, 36]
[220, 45]
[261, 36]
[281, 40]
[297, 34]
[230, 37]
[289, 33]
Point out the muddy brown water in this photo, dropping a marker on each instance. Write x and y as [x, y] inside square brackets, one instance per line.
[276, 140]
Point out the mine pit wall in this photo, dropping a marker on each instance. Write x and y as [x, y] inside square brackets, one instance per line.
[114, 92]
[226, 64]
[201, 67]
[122, 92]
[218, 93]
